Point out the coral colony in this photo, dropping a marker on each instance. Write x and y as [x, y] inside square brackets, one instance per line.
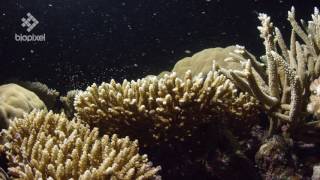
[215, 110]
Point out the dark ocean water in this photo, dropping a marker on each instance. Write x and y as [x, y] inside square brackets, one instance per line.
[95, 40]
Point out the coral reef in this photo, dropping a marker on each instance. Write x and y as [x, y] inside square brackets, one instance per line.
[164, 110]
[16, 100]
[48, 146]
[176, 120]
[282, 80]
[222, 110]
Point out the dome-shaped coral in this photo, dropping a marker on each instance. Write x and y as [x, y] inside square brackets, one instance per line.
[47, 95]
[202, 61]
[48, 146]
[16, 100]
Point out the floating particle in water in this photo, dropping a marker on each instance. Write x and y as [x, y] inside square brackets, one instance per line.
[208, 0]
[123, 4]
[3, 14]
[135, 65]
[157, 40]
[50, 5]
[31, 51]
[187, 51]
[125, 18]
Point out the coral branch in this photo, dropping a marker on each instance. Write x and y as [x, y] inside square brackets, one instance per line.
[288, 74]
[169, 108]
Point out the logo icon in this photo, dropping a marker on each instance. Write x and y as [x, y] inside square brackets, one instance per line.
[30, 22]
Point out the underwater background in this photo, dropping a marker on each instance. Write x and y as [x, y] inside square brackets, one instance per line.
[93, 41]
[252, 113]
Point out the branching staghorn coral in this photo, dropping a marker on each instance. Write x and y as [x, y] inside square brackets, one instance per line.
[283, 88]
[164, 110]
[48, 146]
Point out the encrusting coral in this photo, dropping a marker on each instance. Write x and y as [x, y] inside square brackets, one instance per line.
[16, 100]
[164, 110]
[48, 146]
[283, 87]
[275, 157]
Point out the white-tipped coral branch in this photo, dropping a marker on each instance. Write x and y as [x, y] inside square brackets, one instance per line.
[156, 110]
